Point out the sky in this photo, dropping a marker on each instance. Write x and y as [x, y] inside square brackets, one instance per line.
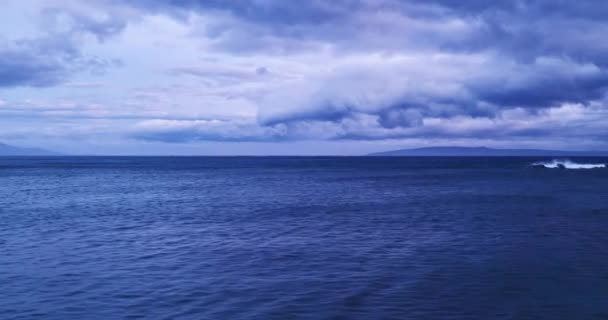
[309, 77]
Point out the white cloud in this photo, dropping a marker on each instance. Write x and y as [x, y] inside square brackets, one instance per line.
[364, 70]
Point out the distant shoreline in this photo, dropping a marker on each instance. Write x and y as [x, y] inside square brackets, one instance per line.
[485, 152]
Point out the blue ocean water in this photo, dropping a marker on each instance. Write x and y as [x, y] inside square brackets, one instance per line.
[302, 238]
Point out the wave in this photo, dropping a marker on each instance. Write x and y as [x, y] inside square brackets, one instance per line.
[567, 164]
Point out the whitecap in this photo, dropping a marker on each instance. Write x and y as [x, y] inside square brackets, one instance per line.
[568, 164]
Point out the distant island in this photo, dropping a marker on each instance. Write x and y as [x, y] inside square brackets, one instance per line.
[486, 152]
[8, 150]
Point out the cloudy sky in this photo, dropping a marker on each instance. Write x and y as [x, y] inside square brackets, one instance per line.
[302, 77]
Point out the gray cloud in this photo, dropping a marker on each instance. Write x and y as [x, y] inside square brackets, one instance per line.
[355, 69]
[55, 55]
[45, 62]
[567, 123]
[540, 54]
[181, 131]
[24, 66]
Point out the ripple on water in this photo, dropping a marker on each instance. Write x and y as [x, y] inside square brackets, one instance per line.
[301, 238]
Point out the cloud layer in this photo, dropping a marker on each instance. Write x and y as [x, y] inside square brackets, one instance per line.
[283, 71]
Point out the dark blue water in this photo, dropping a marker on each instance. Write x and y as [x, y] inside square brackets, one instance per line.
[301, 238]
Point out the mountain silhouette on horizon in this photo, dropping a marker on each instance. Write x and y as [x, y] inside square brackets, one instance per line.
[485, 152]
[8, 150]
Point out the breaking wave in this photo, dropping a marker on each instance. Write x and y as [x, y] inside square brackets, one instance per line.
[567, 164]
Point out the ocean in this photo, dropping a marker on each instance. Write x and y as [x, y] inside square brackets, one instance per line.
[303, 238]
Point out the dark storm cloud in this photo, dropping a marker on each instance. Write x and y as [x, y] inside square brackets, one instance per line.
[547, 92]
[545, 83]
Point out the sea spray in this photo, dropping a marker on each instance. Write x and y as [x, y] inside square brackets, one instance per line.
[568, 164]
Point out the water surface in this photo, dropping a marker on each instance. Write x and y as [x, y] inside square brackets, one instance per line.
[302, 238]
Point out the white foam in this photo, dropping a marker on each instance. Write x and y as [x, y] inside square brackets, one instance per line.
[567, 164]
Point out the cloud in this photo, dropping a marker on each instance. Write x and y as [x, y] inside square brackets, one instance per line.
[45, 62]
[55, 54]
[401, 91]
[527, 63]
[569, 122]
[181, 131]
[75, 21]
[223, 75]
[25, 64]
[344, 70]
